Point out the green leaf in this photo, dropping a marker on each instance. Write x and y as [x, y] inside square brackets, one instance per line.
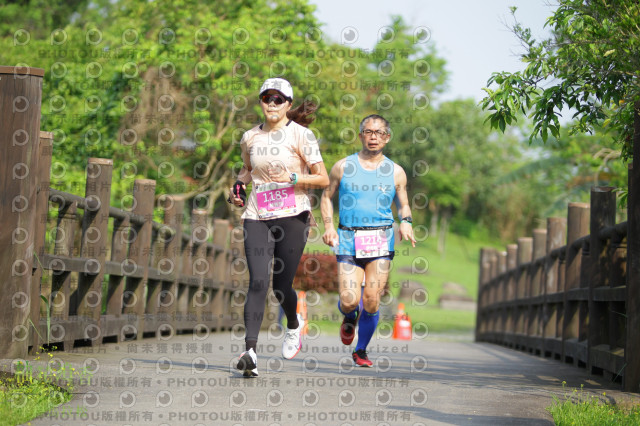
[502, 124]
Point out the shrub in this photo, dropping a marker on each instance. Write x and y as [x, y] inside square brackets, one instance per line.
[317, 272]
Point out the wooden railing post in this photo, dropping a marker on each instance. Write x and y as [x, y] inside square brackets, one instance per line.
[539, 251]
[42, 209]
[631, 379]
[210, 313]
[20, 99]
[577, 227]
[525, 252]
[172, 257]
[186, 248]
[603, 214]
[64, 236]
[618, 278]
[239, 275]
[556, 238]
[154, 283]
[535, 290]
[221, 268]
[490, 296]
[553, 299]
[490, 292]
[483, 279]
[95, 226]
[139, 252]
[502, 269]
[115, 289]
[198, 298]
[501, 290]
[512, 262]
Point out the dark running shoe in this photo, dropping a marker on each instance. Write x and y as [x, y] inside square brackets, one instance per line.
[348, 329]
[361, 359]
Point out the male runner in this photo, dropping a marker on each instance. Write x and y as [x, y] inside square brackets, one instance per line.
[368, 183]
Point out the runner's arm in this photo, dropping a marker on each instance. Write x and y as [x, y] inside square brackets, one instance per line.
[317, 178]
[244, 176]
[402, 203]
[330, 236]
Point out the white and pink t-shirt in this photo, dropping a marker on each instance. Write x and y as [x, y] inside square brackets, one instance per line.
[292, 148]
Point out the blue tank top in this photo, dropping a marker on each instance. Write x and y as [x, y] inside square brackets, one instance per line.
[365, 199]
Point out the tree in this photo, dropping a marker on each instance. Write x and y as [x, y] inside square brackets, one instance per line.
[590, 65]
[464, 161]
[567, 168]
[396, 79]
[166, 88]
[593, 55]
[26, 19]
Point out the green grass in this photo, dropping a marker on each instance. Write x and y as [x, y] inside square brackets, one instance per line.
[458, 264]
[581, 408]
[23, 400]
[33, 390]
[327, 328]
[443, 321]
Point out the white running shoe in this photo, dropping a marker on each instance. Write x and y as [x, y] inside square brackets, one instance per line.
[248, 363]
[293, 340]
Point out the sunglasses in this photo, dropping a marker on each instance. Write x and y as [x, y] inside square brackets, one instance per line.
[277, 99]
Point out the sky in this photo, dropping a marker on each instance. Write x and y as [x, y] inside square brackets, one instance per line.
[470, 35]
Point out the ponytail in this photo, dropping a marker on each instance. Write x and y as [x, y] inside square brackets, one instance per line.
[302, 114]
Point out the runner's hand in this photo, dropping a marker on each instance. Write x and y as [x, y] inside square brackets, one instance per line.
[330, 238]
[406, 233]
[238, 196]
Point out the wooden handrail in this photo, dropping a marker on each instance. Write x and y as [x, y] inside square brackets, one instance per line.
[568, 303]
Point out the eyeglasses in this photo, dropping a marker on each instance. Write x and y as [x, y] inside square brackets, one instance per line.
[276, 99]
[379, 133]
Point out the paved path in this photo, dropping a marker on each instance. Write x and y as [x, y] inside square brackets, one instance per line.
[188, 380]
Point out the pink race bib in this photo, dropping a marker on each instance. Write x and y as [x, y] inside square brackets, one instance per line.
[275, 199]
[371, 243]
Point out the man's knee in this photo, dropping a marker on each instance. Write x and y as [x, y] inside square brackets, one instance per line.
[371, 302]
[348, 301]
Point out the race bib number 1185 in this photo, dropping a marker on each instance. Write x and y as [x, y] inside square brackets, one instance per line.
[275, 199]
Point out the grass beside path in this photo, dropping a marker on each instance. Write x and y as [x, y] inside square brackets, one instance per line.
[582, 408]
[23, 400]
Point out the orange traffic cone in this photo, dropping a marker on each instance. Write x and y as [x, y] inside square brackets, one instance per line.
[302, 310]
[402, 326]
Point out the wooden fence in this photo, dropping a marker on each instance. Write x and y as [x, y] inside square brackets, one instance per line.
[123, 276]
[566, 293]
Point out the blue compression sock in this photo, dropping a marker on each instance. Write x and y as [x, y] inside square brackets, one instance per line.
[351, 315]
[366, 326]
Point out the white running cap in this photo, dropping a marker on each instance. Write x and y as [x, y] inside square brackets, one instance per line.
[279, 84]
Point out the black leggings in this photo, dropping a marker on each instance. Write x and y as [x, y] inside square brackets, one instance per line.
[278, 242]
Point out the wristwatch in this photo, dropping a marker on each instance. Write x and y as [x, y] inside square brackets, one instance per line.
[407, 219]
[293, 178]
